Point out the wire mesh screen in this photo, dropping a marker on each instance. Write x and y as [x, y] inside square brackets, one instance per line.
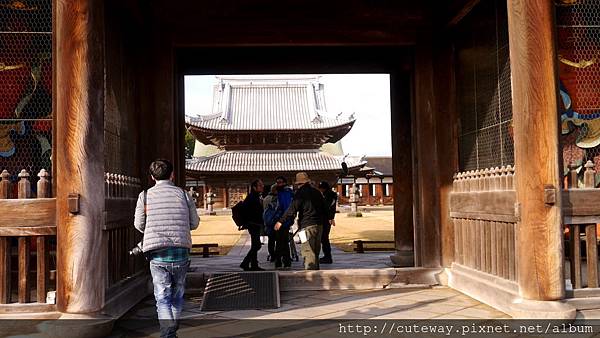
[579, 73]
[483, 88]
[25, 86]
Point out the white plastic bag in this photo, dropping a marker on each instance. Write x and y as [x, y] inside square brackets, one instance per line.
[303, 236]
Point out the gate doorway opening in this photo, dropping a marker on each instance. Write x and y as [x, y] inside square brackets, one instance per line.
[383, 200]
[246, 127]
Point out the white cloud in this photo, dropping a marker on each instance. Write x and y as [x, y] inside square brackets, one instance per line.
[366, 95]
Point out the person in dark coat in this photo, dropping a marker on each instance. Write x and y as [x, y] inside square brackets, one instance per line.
[253, 216]
[285, 196]
[330, 202]
[309, 204]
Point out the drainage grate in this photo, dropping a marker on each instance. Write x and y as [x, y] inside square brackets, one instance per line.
[241, 291]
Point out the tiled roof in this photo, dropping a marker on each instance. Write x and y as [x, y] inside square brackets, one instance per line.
[268, 104]
[267, 161]
[382, 164]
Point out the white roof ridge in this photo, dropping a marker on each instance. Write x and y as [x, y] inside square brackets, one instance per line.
[201, 118]
[269, 77]
[257, 151]
[232, 161]
[203, 158]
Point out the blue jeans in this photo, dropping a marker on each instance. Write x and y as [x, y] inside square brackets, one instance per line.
[169, 285]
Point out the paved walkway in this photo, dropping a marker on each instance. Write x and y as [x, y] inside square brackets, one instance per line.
[437, 302]
[407, 303]
[341, 259]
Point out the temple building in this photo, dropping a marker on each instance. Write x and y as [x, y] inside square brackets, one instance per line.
[494, 105]
[263, 127]
[374, 183]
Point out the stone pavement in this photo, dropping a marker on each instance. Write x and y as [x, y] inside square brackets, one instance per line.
[408, 303]
[341, 259]
[398, 303]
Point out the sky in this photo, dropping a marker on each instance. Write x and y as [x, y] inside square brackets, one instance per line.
[366, 95]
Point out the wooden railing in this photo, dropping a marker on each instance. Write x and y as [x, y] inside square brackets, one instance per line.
[121, 194]
[482, 208]
[582, 213]
[27, 230]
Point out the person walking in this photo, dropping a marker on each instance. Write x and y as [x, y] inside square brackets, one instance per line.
[166, 214]
[309, 204]
[253, 217]
[330, 202]
[282, 235]
[270, 204]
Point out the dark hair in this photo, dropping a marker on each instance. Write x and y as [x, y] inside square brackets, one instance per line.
[324, 185]
[254, 183]
[281, 178]
[161, 169]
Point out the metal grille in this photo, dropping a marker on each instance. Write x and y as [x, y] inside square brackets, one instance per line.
[579, 72]
[483, 88]
[240, 291]
[25, 86]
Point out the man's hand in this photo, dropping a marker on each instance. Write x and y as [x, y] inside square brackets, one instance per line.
[278, 225]
[332, 222]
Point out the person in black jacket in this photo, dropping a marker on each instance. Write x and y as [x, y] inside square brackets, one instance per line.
[330, 203]
[309, 204]
[253, 216]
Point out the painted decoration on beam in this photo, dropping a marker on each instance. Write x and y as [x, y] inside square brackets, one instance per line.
[579, 74]
[25, 86]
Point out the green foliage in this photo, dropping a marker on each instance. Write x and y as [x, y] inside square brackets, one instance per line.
[190, 141]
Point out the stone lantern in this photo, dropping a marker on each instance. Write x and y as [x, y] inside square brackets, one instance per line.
[210, 200]
[354, 198]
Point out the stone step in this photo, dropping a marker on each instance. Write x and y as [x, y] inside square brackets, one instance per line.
[346, 279]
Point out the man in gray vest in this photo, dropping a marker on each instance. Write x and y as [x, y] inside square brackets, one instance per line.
[166, 214]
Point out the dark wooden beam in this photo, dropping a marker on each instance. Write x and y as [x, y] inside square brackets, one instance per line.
[28, 212]
[462, 12]
[484, 202]
[580, 202]
[427, 232]
[446, 116]
[402, 168]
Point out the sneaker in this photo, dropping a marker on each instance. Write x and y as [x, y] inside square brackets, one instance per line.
[277, 264]
[325, 260]
[256, 268]
[245, 267]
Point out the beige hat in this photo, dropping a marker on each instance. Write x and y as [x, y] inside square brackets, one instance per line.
[302, 178]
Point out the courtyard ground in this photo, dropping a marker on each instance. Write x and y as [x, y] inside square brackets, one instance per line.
[218, 229]
[374, 225]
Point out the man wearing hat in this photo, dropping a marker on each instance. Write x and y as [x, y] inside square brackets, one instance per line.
[309, 204]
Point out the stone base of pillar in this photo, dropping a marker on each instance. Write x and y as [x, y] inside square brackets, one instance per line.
[504, 295]
[403, 259]
[75, 326]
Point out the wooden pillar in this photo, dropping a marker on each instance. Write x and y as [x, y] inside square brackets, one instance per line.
[446, 140]
[402, 168]
[379, 193]
[427, 232]
[80, 155]
[534, 91]
[226, 196]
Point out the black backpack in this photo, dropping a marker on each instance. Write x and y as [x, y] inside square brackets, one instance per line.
[237, 214]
